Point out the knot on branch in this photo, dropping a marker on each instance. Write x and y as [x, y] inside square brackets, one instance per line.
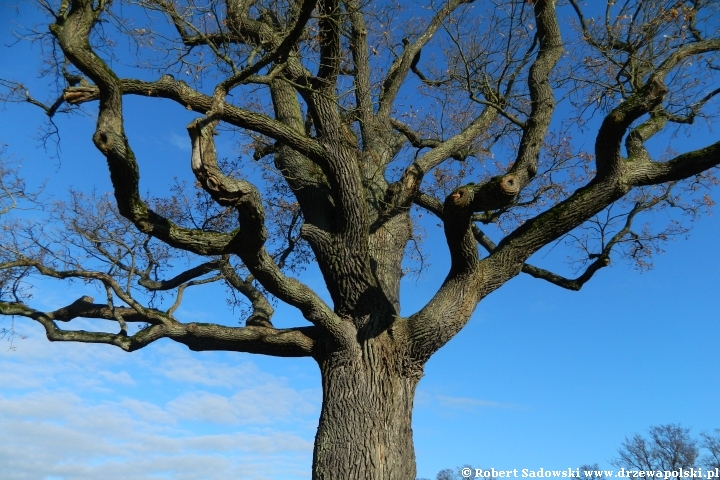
[496, 193]
[144, 226]
[104, 141]
[66, 314]
[510, 185]
[213, 183]
[462, 196]
[603, 259]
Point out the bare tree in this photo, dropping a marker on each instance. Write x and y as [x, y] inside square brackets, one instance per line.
[668, 448]
[13, 195]
[459, 473]
[321, 93]
[711, 443]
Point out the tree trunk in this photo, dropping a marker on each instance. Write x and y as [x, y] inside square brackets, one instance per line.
[365, 423]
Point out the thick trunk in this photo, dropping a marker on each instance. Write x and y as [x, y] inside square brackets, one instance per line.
[365, 424]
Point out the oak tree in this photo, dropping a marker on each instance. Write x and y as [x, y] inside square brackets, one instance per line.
[364, 115]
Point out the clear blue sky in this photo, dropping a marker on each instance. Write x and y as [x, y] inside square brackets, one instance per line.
[541, 377]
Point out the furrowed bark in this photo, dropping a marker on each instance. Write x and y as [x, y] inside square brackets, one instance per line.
[361, 61]
[365, 422]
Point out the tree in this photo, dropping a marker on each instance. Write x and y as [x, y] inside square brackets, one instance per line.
[466, 471]
[318, 92]
[584, 471]
[669, 448]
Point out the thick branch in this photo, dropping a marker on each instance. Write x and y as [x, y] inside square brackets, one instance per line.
[361, 60]
[609, 139]
[541, 93]
[295, 342]
[280, 53]
[436, 207]
[683, 52]
[413, 137]
[110, 139]
[330, 53]
[290, 342]
[83, 308]
[644, 100]
[683, 166]
[399, 196]
[250, 240]
[262, 311]
[180, 92]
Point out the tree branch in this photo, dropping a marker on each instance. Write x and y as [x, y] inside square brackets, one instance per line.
[400, 68]
[249, 242]
[361, 61]
[180, 92]
[293, 342]
[682, 166]
[542, 100]
[609, 139]
[179, 279]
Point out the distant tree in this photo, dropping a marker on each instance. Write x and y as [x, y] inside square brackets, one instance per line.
[446, 474]
[358, 113]
[456, 474]
[667, 448]
[711, 443]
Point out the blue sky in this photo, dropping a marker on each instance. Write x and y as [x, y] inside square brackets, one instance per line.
[541, 377]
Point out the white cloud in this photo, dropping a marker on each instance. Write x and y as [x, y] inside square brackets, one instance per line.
[85, 412]
[119, 378]
[176, 363]
[265, 404]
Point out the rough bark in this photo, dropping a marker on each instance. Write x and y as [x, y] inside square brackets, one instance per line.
[365, 422]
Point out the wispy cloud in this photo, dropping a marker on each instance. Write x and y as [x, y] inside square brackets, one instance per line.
[178, 141]
[265, 404]
[450, 403]
[471, 403]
